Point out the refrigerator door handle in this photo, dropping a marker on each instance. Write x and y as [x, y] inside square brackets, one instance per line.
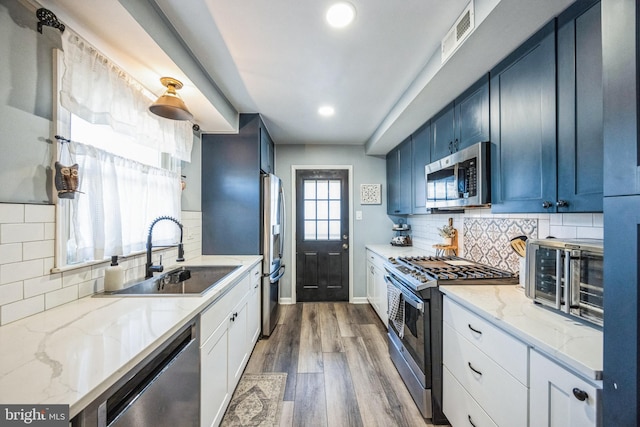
[283, 223]
[279, 276]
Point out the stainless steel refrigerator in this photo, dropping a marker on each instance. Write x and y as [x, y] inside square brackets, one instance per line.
[273, 226]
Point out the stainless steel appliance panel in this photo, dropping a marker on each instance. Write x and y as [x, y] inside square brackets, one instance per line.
[273, 205]
[566, 275]
[460, 179]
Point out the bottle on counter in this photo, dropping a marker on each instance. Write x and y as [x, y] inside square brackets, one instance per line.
[113, 276]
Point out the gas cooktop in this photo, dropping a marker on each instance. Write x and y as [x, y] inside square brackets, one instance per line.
[421, 272]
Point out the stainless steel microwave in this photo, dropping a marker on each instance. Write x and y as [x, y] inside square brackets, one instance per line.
[460, 179]
[566, 275]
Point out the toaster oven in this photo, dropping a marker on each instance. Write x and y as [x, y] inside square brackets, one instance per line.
[566, 275]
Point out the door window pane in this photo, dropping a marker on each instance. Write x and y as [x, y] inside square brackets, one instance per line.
[322, 212]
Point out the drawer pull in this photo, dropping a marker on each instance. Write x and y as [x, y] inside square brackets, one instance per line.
[474, 369]
[474, 329]
[581, 395]
[471, 421]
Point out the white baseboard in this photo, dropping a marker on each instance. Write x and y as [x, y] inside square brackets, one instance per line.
[355, 300]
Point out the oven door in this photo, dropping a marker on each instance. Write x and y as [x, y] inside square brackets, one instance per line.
[412, 334]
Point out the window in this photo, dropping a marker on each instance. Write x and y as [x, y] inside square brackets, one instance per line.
[128, 160]
[322, 209]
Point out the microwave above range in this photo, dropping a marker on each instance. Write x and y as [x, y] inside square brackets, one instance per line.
[566, 275]
[460, 179]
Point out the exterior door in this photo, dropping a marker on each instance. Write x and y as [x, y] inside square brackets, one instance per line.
[322, 235]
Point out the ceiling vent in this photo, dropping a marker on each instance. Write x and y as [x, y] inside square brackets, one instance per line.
[458, 33]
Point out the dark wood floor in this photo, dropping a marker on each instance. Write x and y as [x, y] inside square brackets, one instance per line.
[339, 371]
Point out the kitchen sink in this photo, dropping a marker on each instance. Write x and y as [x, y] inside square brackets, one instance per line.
[195, 280]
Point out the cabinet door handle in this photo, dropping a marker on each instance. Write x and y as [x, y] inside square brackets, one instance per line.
[581, 395]
[233, 317]
[474, 329]
[450, 147]
[456, 145]
[546, 204]
[474, 369]
[562, 203]
[471, 421]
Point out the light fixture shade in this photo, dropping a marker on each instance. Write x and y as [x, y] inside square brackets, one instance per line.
[170, 105]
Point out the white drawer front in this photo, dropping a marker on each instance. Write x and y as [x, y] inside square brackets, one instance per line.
[503, 397]
[219, 310]
[376, 259]
[508, 352]
[459, 406]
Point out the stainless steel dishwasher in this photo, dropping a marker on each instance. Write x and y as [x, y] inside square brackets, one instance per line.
[161, 391]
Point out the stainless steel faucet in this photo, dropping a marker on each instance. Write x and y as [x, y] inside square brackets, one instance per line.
[149, 267]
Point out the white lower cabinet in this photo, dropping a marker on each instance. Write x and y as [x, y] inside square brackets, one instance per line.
[254, 308]
[214, 389]
[376, 286]
[560, 398]
[461, 409]
[227, 337]
[492, 388]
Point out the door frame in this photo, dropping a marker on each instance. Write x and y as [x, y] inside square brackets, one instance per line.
[294, 169]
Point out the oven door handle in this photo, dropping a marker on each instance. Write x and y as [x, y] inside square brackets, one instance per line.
[409, 298]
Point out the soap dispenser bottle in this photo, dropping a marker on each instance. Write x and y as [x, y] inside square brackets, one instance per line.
[113, 276]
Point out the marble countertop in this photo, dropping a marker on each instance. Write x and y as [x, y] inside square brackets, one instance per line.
[573, 344]
[73, 353]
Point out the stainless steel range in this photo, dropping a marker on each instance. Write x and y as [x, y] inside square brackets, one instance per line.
[415, 319]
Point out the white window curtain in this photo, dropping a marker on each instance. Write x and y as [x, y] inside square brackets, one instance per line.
[100, 92]
[119, 199]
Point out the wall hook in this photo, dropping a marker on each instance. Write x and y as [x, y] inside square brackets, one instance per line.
[48, 18]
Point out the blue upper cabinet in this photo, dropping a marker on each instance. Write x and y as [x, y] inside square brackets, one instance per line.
[399, 168]
[462, 123]
[523, 127]
[472, 115]
[421, 156]
[442, 133]
[580, 109]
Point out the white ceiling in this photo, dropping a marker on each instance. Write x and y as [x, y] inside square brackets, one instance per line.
[382, 74]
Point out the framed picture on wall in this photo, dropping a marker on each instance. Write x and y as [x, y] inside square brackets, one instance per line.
[370, 194]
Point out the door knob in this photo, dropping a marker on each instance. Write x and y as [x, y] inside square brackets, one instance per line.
[345, 246]
[345, 237]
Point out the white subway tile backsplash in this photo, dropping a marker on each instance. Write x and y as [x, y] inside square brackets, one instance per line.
[598, 220]
[90, 287]
[11, 252]
[74, 277]
[21, 309]
[11, 213]
[39, 213]
[590, 232]
[61, 296]
[40, 249]
[578, 219]
[10, 293]
[49, 231]
[42, 284]
[27, 255]
[563, 232]
[21, 270]
[13, 233]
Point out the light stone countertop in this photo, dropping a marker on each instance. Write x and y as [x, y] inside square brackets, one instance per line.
[571, 343]
[73, 353]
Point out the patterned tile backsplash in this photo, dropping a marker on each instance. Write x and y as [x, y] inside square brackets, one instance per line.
[487, 240]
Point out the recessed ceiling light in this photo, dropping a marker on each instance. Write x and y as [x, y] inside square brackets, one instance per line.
[341, 14]
[326, 111]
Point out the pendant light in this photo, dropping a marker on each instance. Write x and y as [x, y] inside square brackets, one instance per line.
[170, 105]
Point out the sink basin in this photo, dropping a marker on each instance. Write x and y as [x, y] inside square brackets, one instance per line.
[182, 281]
